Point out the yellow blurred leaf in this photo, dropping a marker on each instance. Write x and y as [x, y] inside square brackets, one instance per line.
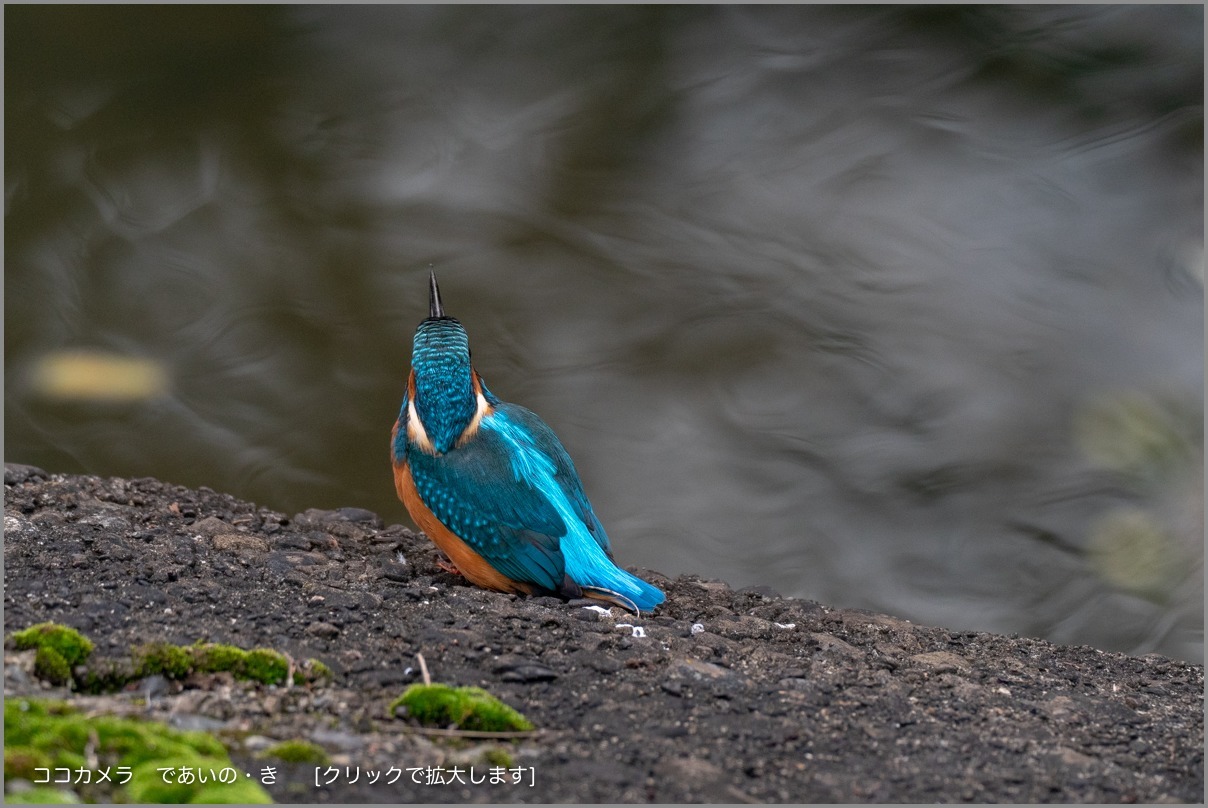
[1131, 550]
[90, 375]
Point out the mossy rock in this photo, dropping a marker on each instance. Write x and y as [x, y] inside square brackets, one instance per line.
[299, 752]
[496, 756]
[105, 675]
[215, 657]
[469, 708]
[56, 735]
[68, 643]
[163, 658]
[50, 665]
[262, 665]
[61, 649]
[265, 665]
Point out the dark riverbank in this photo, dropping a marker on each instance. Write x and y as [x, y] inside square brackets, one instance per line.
[719, 695]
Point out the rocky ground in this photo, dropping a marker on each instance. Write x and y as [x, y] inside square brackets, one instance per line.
[718, 696]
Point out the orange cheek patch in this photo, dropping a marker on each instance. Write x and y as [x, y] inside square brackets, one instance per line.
[471, 564]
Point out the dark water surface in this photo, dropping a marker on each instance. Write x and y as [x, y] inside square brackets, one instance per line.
[891, 307]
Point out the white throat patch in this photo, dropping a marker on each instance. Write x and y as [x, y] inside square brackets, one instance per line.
[419, 436]
[416, 432]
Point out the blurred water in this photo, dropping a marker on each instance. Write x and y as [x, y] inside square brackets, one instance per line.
[898, 308]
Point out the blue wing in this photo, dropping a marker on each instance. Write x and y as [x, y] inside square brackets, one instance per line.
[471, 490]
[536, 456]
[564, 469]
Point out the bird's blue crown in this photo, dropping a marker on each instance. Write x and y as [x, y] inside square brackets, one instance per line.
[444, 387]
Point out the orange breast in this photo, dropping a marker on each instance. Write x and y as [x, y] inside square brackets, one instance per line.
[471, 564]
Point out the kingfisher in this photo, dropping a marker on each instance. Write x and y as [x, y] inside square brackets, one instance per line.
[492, 486]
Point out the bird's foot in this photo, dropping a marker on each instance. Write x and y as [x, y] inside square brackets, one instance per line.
[447, 565]
[608, 596]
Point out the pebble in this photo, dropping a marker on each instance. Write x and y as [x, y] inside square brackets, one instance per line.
[523, 670]
[394, 571]
[15, 473]
[604, 664]
[239, 543]
[338, 739]
[941, 661]
[323, 629]
[257, 743]
[316, 517]
[191, 722]
[211, 526]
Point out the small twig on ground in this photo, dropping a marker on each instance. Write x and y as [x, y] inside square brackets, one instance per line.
[423, 669]
[90, 758]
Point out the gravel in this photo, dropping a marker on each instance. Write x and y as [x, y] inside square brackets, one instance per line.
[717, 696]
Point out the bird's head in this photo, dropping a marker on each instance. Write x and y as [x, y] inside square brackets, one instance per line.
[445, 395]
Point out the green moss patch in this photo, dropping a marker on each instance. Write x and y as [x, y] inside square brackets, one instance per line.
[171, 661]
[298, 752]
[214, 657]
[498, 757]
[470, 708]
[50, 665]
[52, 735]
[264, 665]
[70, 644]
[61, 649]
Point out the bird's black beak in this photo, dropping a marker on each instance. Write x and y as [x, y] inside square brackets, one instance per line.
[434, 308]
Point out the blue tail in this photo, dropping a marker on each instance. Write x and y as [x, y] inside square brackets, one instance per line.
[649, 595]
[600, 573]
